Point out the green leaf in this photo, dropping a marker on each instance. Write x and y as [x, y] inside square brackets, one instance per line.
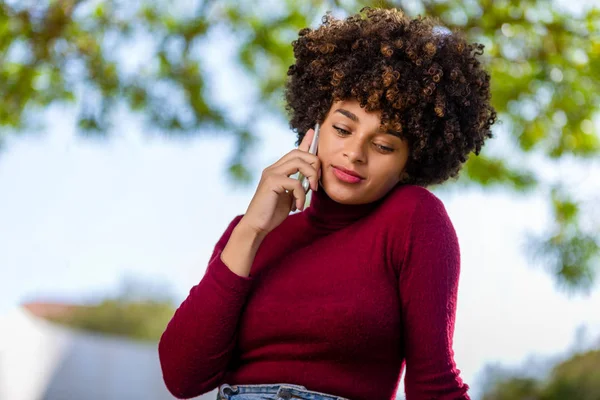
[240, 172]
[488, 171]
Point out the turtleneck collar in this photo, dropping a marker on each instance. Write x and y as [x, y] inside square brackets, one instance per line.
[327, 214]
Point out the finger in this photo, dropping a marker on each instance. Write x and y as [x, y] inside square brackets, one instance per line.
[297, 153]
[310, 171]
[291, 187]
[302, 149]
[299, 194]
[308, 137]
[290, 194]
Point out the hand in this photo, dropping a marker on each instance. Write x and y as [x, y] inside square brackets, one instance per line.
[277, 194]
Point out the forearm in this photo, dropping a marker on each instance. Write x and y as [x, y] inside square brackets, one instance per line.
[241, 249]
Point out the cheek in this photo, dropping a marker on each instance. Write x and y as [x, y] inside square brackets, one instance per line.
[388, 174]
[391, 179]
[327, 146]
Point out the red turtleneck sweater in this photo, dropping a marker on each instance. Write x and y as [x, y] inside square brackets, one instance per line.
[339, 299]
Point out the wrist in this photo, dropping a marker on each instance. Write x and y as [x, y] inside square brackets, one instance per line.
[238, 255]
[248, 233]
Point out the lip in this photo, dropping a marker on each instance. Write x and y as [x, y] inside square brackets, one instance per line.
[348, 172]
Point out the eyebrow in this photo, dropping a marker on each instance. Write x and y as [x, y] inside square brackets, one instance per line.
[354, 118]
[348, 114]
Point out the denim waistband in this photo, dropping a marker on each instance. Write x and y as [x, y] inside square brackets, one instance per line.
[276, 391]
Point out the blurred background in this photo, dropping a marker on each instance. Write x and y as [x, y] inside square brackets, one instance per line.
[132, 132]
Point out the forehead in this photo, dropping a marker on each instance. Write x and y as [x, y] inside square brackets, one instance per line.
[353, 106]
[352, 110]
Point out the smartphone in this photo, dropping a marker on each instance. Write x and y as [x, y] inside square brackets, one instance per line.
[312, 150]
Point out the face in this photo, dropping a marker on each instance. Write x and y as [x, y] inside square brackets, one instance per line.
[360, 163]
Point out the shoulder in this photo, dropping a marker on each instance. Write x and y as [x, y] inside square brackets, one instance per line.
[410, 211]
[411, 201]
[417, 222]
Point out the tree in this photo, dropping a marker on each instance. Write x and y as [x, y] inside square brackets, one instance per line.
[576, 378]
[140, 311]
[139, 320]
[544, 62]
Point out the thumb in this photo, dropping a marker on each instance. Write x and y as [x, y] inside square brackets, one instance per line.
[305, 144]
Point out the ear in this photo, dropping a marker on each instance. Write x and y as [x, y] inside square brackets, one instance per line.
[404, 176]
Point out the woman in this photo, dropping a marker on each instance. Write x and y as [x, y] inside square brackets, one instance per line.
[334, 301]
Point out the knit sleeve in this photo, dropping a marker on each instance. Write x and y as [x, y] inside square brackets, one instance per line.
[428, 291]
[197, 344]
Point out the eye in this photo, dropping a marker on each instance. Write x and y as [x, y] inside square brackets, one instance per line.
[341, 132]
[384, 149]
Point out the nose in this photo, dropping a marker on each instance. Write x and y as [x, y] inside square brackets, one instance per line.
[354, 150]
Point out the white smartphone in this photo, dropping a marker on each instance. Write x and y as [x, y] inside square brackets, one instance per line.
[312, 150]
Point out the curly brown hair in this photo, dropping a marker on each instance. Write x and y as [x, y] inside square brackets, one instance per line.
[425, 80]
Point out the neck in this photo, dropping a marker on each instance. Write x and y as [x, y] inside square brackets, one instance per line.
[327, 214]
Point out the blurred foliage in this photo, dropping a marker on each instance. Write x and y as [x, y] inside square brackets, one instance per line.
[566, 248]
[544, 62]
[140, 320]
[577, 378]
[139, 311]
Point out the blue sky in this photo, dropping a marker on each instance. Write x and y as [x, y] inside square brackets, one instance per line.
[76, 216]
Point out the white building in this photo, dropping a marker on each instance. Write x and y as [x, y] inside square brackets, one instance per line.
[40, 360]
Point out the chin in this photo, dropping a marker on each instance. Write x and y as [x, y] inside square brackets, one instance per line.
[344, 195]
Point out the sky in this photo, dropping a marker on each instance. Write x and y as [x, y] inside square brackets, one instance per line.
[79, 215]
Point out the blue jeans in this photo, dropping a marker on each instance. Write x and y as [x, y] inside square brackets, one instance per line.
[278, 391]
